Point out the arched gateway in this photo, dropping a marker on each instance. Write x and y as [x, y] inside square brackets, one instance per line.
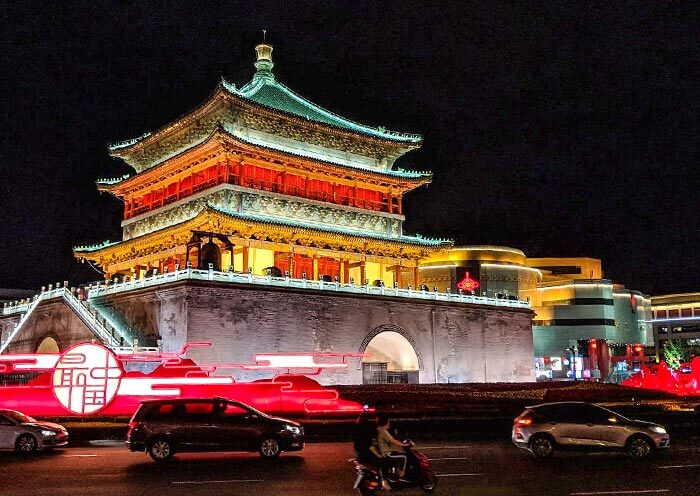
[393, 357]
[48, 344]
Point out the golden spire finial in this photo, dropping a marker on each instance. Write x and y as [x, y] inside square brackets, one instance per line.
[263, 62]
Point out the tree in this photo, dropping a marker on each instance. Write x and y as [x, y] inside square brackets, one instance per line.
[676, 352]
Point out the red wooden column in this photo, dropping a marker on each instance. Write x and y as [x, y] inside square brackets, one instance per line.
[290, 265]
[246, 261]
[227, 172]
[344, 271]
[240, 176]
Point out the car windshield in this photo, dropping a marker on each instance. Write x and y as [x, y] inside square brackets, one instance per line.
[19, 417]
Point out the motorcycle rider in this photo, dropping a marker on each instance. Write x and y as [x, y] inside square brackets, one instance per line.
[388, 447]
[363, 437]
[364, 440]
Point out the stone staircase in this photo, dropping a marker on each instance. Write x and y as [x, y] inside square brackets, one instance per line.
[106, 333]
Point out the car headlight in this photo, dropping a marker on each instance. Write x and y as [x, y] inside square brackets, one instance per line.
[48, 433]
[292, 428]
[658, 429]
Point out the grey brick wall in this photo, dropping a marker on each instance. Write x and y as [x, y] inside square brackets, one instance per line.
[454, 343]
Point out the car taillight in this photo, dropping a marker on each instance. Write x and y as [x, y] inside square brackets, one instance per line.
[523, 421]
[134, 425]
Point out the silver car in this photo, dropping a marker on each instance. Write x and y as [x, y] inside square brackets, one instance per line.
[545, 428]
[27, 435]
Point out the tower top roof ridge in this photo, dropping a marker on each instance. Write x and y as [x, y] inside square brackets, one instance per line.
[265, 90]
[266, 96]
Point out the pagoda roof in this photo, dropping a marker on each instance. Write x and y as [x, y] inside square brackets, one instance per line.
[212, 215]
[270, 93]
[326, 228]
[220, 133]
[268, 106]
[267, 91]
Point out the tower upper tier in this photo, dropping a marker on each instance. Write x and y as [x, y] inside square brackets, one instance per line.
[267, 113]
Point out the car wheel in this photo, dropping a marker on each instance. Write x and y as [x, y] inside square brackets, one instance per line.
[161, 450]
[26, 444]
[640, 447]
[269, 448]
[368, 491]
[542, 446]
[430, 482]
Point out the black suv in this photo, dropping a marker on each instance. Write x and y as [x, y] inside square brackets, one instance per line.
[163, 427]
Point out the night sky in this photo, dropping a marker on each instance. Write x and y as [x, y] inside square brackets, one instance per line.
[567, 130]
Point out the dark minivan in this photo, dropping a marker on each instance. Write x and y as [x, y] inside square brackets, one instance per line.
[164, 427]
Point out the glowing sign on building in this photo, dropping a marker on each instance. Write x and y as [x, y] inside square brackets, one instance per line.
[89, 378]
[468, 284]
[86, 378]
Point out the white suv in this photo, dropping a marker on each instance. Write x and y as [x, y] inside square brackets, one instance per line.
[542, 429]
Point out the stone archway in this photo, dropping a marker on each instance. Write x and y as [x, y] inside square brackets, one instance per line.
[394, 357]
[48, 344]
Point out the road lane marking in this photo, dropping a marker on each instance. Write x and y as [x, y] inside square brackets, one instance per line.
[458, 475]
[82, 456]
[444, 447]
[639, 491]
[680, 466]
[217, 481]
[71, 476]
[452, 458]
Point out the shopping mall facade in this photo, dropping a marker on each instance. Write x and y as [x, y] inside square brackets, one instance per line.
[676, 317]
[585, 326]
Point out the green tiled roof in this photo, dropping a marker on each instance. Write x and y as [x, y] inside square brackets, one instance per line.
[414, 240]
[265, 90]
[399, 172]
[99, 246]
[108, 181]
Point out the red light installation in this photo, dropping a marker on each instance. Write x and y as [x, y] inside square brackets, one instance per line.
[468, 284]
[662, 378]
[88, 379]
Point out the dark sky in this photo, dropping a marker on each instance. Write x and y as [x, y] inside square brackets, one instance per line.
[568, 129]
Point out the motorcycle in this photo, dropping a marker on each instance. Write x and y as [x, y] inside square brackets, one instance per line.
[369, 479]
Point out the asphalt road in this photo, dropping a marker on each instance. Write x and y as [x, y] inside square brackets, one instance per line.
[472, 468]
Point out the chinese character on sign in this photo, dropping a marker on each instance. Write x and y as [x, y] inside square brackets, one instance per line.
[86, 378]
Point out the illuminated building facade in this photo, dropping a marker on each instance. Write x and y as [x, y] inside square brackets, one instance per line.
[261, 222]
[498, 271]
[677, 317]
[584, 325]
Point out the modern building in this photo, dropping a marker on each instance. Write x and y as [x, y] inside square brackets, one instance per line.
[587, 326]
[492, 271]
[677, 317]
[261, 222]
